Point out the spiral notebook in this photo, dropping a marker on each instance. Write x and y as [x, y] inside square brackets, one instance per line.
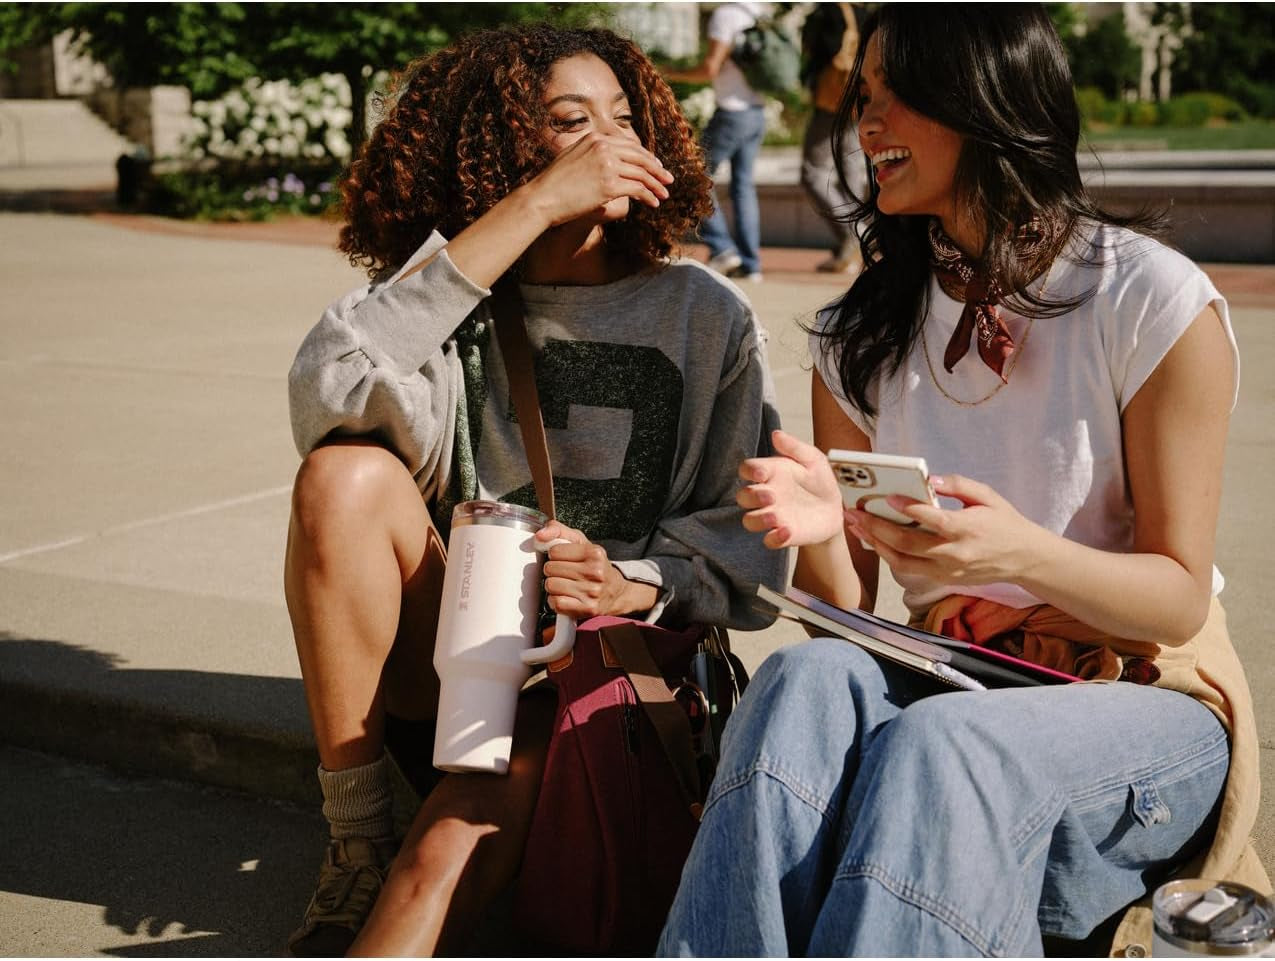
[957, 663]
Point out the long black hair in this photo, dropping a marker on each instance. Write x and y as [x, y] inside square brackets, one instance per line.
[998, 76]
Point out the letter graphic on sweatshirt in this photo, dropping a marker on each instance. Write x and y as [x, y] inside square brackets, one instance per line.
[611, 414]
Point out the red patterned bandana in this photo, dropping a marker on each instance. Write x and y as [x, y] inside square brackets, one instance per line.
[980, 318]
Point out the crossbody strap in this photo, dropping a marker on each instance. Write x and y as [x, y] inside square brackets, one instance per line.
[666, 715]
[520, 370]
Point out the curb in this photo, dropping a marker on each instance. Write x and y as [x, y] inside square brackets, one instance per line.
[143, 740]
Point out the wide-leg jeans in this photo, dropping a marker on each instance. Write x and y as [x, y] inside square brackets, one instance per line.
[735, 136]
[861, 809]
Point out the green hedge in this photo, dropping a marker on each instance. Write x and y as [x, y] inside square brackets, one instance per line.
[1187, 110]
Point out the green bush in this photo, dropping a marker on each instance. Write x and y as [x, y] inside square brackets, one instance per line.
[1197, 109]
[1096, 108]
[1188, 111]
[1140, 113]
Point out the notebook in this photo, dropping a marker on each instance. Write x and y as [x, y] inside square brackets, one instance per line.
[956, 663]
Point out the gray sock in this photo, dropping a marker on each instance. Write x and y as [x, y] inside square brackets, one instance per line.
[357, 801]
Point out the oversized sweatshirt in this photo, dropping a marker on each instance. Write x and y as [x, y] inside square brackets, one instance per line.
[653, 389]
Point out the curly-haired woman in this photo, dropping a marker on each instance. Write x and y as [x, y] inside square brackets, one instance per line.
[559, 159]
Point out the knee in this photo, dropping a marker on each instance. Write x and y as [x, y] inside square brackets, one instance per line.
[344, 483]
[942, 741]
[820, 666]
[801, 691]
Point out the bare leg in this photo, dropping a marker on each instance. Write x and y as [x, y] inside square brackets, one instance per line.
[463, 849]
[362, 578]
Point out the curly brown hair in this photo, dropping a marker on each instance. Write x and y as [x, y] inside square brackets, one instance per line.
[465, 129]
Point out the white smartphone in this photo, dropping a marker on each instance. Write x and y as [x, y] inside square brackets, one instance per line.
[867, 478]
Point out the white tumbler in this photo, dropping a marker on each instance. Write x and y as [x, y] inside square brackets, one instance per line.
[487, 633]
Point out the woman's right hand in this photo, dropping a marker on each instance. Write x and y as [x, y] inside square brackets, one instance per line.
[793, 496]
[595, 170]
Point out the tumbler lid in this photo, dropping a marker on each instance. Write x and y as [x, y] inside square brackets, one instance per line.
[1214, 917]
[498, 513]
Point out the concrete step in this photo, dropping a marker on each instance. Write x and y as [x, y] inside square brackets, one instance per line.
[55, 133]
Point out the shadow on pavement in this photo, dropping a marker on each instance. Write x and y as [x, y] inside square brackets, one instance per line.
[208, 871]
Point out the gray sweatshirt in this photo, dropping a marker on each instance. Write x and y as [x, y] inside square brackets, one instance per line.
[653, 389]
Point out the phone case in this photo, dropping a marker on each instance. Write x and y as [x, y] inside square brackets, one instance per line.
[868, 478]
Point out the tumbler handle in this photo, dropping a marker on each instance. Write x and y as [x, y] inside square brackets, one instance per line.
[564, 632]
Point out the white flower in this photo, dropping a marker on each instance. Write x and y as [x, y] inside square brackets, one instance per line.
[271, 145]
[336, 143]
[257, 123]
[339, 118]
[774, 111]
[699, 106]
[248, 136]
[289, 146]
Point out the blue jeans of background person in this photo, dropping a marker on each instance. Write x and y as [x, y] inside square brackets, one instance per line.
[853, 814]
[735, 136]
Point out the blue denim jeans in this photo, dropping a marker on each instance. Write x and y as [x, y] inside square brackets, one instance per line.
[735, 136]
[859, 811]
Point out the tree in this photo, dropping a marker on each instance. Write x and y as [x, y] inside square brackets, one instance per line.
[1104, 57]
[212, 47]
[300, 40]
[1230, 49]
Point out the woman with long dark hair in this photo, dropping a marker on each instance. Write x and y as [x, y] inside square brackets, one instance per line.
[1071, 378]
[556, 161]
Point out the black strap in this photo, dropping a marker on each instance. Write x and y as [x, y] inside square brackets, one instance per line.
[520, 370]
[666, 715]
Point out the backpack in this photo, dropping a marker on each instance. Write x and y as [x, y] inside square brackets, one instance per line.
[768, 57]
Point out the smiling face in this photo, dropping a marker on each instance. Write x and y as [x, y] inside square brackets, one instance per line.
[581, 95]
[913, 157]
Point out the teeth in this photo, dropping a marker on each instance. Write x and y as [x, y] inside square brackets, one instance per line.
[893, 153]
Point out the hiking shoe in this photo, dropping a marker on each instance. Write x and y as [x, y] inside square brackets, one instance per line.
[350, 878]
[740, 272]
[725, 262]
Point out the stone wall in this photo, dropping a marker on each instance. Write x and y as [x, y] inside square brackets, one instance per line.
[154, 118]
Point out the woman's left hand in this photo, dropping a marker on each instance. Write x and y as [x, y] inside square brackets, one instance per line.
[579, 577]
[987, 541]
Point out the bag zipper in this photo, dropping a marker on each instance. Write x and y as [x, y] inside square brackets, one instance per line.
[629, 722]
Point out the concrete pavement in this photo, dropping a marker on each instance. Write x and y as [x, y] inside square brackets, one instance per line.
[143, 505]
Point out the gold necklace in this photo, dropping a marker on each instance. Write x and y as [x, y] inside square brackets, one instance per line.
[1013, 363]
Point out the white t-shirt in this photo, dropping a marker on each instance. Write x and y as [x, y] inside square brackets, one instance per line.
[726, 24]
[1050, 441]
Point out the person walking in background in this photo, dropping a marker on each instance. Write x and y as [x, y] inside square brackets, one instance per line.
[829, 42]
[733, 135]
